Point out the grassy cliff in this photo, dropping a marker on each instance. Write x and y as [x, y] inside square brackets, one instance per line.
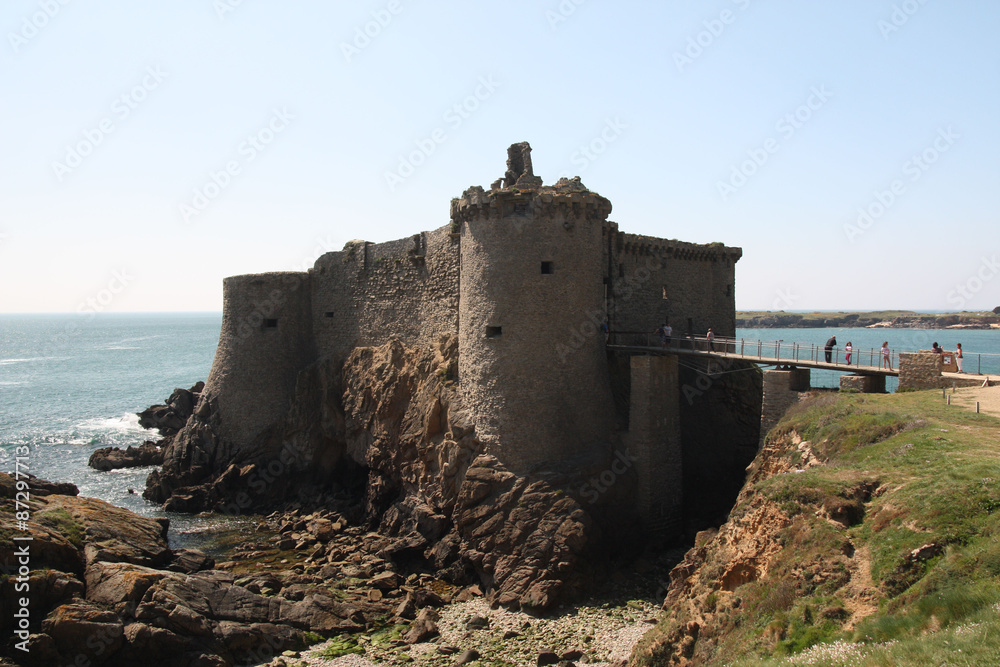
[867, 534]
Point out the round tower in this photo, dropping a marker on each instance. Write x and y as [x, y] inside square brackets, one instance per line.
[266, 339]
[532, 361]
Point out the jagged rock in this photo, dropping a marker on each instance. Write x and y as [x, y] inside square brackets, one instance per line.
[170, 418]
[114, 458]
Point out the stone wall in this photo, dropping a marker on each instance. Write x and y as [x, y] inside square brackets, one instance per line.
[531, 283]
[865, 384]
[654, 279]
[266, 339]
[781, 391]
[368, 292]
[919, 370]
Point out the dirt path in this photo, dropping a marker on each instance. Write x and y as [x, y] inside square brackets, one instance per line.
[988, 397]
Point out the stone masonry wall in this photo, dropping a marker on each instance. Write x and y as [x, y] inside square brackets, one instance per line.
[368, 292]
[266, 339]
[654, 279]
[865, 384]
[531, 279]
[781, 391]
[654, 439]
[919, 370]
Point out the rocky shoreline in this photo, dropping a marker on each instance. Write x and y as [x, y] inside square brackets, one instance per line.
[291, 580]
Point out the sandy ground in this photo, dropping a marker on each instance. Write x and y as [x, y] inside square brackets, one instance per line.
[988, 397]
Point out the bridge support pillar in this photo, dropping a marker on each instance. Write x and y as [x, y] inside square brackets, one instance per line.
[654, 440]
[865, 384]
[781, 391]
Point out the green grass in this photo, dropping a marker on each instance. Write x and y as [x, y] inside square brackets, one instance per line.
[908, 493]
[62, 522]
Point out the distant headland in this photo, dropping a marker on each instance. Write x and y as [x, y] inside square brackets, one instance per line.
[888, 319]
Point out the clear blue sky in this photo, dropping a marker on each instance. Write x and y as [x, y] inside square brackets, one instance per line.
[765, 125]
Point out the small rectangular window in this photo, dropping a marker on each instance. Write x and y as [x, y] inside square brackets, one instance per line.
[547, 268]
[621, 270]
[328, 313]
[493, 332]
[270, 324]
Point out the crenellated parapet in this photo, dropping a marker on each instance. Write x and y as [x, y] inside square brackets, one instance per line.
[637, 244]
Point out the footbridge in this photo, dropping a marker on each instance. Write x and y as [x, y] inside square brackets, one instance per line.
[865, 361]
[867, 368]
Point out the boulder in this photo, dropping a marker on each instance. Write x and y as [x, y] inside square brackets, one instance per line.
[423, 628]
[83, 628]
[115, 458]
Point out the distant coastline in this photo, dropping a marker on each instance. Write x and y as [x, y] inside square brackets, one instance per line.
[878, 319]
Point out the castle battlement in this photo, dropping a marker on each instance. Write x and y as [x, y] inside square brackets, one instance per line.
[636, 244]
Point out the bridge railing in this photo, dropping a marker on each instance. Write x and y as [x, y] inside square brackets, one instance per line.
[792, 352]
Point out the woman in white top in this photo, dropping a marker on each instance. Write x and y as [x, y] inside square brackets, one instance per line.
[886, 356]
[958, 357]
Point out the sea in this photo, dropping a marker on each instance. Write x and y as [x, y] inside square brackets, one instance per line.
[70, 384]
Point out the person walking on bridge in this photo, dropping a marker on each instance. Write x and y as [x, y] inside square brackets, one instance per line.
[849, 348]
[828, 349]
[710, 337]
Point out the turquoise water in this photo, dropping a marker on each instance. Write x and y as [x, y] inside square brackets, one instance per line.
[72, 384]
[981, 346]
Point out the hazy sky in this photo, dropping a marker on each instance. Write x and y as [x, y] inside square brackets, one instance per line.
[152, 148]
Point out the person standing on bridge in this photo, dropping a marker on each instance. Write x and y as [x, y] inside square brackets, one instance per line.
[848, 349]
[886, 356]
[828, 349]
[958, 357]
[710, 337]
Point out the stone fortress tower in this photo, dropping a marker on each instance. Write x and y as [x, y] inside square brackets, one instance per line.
[532, 262]
[524, 275]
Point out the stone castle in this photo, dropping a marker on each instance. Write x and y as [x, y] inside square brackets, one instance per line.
[523, 283]
[525, 276]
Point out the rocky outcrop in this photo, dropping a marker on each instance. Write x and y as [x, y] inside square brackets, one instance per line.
[387, 426]
[148, 453]
[170, 418]
[105, 588]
